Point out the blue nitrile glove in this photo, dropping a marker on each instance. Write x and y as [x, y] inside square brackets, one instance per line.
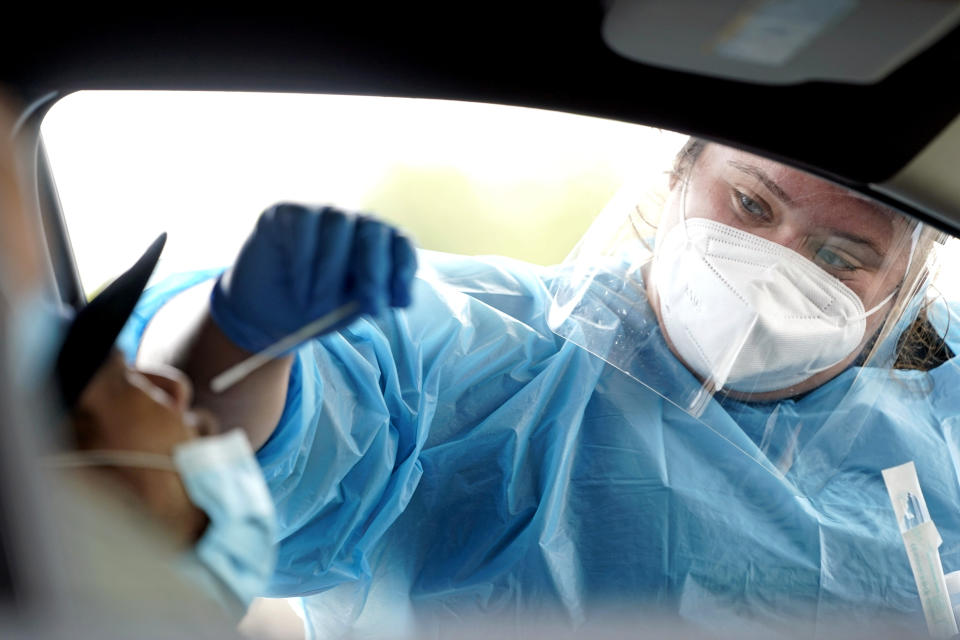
[301, 263]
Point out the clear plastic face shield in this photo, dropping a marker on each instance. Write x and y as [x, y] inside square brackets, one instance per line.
[737, 278]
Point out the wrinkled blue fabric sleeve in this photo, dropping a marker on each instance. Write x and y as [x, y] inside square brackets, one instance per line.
[344, 461]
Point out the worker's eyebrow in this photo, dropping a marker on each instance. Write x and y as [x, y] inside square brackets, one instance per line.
[859, 239]
[760, 175]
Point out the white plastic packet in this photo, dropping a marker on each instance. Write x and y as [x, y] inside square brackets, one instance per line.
[922, 542]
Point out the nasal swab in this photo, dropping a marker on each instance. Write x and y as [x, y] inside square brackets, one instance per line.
[241, 370]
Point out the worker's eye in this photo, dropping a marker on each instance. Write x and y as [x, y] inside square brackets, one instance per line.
[753, 208]
[835, 260]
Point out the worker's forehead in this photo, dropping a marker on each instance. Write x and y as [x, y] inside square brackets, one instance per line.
[816, 199]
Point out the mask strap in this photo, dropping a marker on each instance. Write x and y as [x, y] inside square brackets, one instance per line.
[914, 239]
[877, 306]
[109, 458]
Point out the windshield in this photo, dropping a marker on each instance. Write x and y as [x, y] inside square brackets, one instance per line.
[642, 374]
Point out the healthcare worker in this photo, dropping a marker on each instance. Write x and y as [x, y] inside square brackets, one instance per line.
[687, 429]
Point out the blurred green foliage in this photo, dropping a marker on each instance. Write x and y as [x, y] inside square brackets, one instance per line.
[444, 208]
[533, 219]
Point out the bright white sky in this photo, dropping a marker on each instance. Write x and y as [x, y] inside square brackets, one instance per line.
[202, 166]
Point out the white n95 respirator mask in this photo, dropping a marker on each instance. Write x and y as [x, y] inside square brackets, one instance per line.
[749, 314]
[222, 477]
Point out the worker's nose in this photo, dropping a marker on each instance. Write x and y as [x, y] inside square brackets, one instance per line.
[787, 236]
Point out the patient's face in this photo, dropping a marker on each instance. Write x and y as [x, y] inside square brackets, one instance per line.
[126, 409]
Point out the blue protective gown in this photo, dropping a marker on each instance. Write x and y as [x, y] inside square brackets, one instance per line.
[458, 458]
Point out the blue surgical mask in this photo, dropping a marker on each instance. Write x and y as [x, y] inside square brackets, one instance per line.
[221, 477]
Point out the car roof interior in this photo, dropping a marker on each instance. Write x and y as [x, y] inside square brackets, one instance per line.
[551, 57]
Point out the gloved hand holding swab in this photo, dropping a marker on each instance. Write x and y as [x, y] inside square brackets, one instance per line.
[241, 370]
[304, 272]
